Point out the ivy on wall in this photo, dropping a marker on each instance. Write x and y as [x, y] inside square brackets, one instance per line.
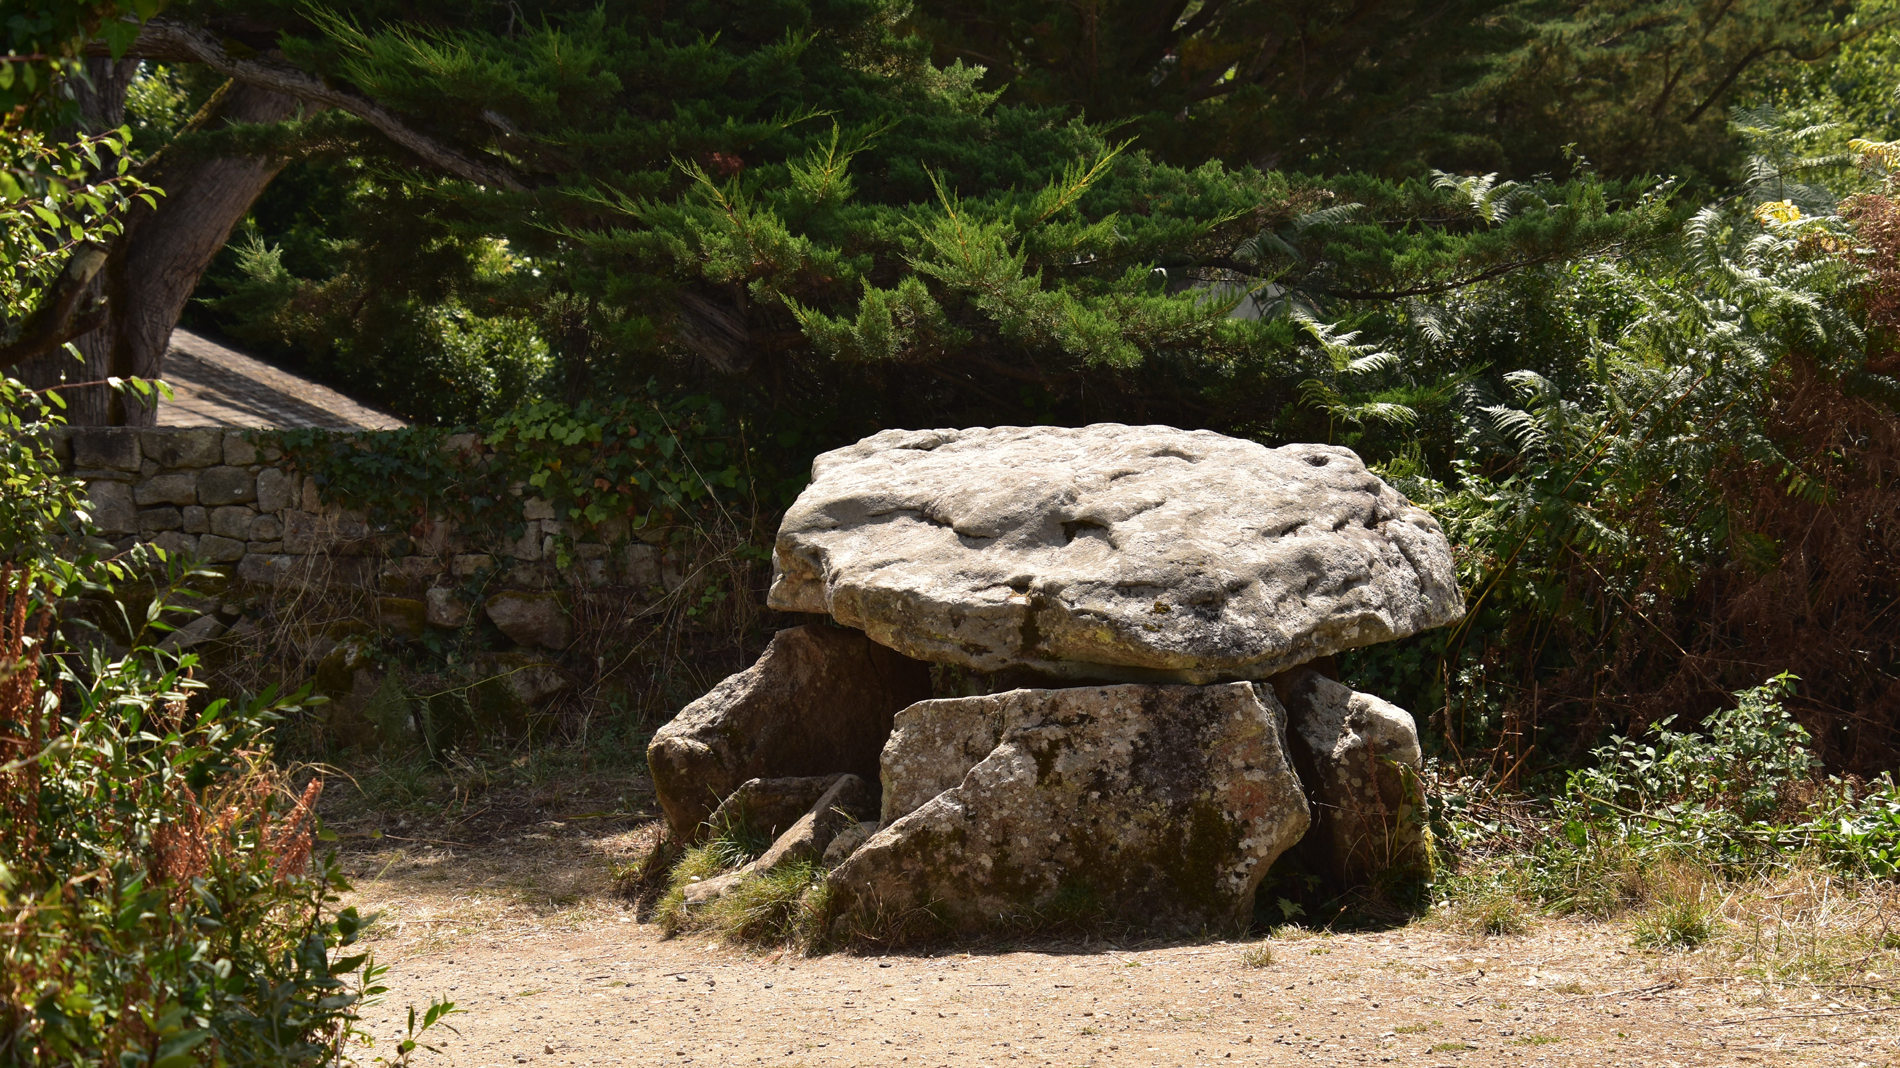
[608, 469]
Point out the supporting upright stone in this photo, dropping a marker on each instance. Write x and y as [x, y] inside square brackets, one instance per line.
[1358, 756]
[1155, 806]
[819, 700]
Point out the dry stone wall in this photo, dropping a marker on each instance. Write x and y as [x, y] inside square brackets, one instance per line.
[220, 497]
[323, 594]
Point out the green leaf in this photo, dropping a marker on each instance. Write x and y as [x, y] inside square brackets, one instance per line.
[119, 34]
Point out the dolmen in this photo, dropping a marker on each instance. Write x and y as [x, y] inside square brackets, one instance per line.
[1071, 673]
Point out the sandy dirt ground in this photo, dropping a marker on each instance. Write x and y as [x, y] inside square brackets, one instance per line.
[616, 993]
[508, 911]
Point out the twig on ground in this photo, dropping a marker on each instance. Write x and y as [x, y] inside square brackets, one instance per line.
[1805, 1015]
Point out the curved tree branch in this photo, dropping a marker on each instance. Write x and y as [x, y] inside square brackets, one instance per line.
[169, 39]
[64, 313]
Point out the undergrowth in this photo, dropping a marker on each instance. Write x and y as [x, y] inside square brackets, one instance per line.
[1726, 843]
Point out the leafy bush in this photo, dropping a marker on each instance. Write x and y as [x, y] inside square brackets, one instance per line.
[635, 461]
[1656, 822]
[160, 901]
[1753, 763]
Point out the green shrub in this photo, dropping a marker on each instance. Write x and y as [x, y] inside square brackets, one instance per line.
[161, 905]
[1752, 761]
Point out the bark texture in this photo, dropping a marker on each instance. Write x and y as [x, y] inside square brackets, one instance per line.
[155, 264]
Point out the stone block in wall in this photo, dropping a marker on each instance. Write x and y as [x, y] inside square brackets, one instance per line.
[274, 490]
[357, 571]
[528, 546]
[267, 569]
[468, 564]
[226, 485]
[532, 619]
[445, 607]
[412, 568]
[586, 572]
[149, 467]
[440, 538]
[232, 521]
[196, 519]
[537, 508]
[238, 450]
[307, 497]
[215, 549]
[176, 543]
[103, 474]
[304, 532]
[536, 576]
[179, 487]
[264, 546]
[266, 528]
[295, 570]
[594, 567]
[308, 533]
[153, 520]
[197, 632]
[196, 447]
[102, 446]
[402, 617]
[112, 506]
[640, 565]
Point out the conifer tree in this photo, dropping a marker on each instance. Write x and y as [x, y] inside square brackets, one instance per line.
[796, 208]
[1396, 86]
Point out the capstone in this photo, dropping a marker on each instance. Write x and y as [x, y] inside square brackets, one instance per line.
[1142, 553]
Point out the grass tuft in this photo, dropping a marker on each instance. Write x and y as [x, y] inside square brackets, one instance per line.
[1683, 922]
[767, 909]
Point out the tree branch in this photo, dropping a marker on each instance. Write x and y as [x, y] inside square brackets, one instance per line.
[60, 318]
[169, 39]
[1427, 289]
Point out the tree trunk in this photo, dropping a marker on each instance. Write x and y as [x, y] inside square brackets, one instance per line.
[101, 99]
[156, 263]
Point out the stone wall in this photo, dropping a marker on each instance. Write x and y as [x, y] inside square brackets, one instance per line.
[229, 499]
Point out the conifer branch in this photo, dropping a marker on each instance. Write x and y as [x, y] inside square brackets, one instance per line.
[169, 39]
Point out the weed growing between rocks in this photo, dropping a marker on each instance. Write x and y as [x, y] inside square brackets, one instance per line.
[772, 908]
[730, 844]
